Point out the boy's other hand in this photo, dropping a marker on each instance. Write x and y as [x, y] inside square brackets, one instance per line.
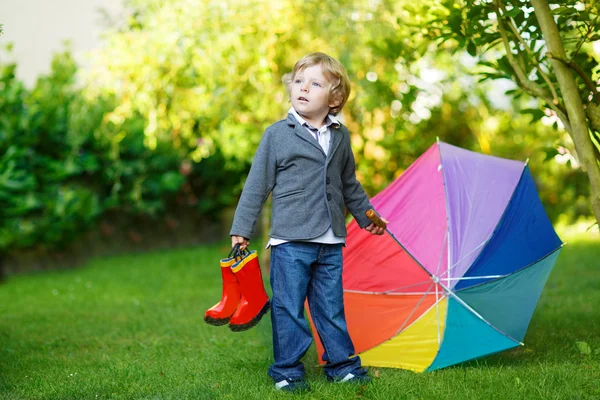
[244, 243]
[376, 230]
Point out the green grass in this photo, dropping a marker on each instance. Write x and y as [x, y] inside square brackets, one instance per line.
[131, 327]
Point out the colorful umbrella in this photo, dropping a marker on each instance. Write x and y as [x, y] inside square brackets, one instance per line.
[468, 251]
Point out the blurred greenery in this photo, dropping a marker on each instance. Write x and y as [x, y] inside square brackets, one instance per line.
[514, 40]
[42, 196]
[174, 103]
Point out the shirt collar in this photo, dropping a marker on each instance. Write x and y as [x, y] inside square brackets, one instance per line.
[331, 119]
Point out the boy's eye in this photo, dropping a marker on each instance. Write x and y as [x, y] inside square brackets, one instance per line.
[298, 81]
[316, 84]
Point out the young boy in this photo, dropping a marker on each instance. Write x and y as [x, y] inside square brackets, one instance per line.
[306, 162]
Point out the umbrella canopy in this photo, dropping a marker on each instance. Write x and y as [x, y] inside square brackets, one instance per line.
[468, 251]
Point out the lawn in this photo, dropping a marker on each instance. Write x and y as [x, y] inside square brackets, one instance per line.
[131, 327]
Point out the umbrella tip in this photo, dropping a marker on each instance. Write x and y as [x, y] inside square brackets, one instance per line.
[437, 139]
[527, 161]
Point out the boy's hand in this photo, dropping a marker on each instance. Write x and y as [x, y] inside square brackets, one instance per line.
[376, 230]
[244, 243]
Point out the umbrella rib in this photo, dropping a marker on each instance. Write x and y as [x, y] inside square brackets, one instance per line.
[465, 278]
[447, 205]
[399, 332]
[437, 270]
[516, 271]
[408, 252]
[437, 314]
[499, 222]
[391, 292]
[489, 238]
[468, 307]
[414, 309]
[467, 255]
[406, 287]
[436, 304]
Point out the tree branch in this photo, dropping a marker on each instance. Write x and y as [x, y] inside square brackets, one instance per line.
[522, 63]
[523, 82]
[590, 29]
[588, 81]
[509, 55]
[560, 113]
[511, 24]
[571, 96]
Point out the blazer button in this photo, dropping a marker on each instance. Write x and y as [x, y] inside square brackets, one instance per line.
[328, 181]
[328, 196]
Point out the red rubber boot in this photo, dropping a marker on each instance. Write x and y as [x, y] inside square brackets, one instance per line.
[254, 302]
[220, 313]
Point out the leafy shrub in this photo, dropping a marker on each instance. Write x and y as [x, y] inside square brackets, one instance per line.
[63, 164]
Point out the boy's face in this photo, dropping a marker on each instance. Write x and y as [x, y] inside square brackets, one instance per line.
[310, 94]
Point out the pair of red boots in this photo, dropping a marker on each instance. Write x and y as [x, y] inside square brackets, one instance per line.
[244, 300]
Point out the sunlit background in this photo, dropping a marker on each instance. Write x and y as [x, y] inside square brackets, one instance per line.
[152, 111]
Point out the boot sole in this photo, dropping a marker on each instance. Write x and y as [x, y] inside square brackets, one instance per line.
[254, 321]
[216, 321]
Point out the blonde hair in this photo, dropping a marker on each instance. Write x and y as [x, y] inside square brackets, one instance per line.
[334, 72]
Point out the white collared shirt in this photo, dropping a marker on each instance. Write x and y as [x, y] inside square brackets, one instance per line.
[323, 136]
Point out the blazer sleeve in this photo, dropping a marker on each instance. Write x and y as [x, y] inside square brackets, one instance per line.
[258, 186]
[355, 197]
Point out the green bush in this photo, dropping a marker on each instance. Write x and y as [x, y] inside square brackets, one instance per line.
[62, 166]
[43, 198]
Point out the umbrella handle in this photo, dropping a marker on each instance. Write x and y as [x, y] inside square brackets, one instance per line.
[372, 215]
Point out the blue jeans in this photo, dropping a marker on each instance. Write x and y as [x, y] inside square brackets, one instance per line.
[301, 270]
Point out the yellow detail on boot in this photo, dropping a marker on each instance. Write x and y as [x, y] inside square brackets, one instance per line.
[227, 262]
[240, 264]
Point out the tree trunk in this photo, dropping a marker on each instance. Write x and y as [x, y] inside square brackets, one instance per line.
[570, 93]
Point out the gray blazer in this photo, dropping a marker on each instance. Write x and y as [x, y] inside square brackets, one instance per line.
[310, 190]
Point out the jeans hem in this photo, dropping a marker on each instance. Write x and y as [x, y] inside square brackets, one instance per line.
[280, 377]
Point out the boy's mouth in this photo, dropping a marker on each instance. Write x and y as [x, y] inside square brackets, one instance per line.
[302, 99]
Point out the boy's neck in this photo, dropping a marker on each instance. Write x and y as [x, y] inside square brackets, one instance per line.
[315, 122]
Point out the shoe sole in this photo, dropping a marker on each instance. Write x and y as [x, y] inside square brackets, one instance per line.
[253, 322]
[216, 321]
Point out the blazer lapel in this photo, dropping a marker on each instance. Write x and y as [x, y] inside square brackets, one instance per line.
[303, 133]
[334, 142]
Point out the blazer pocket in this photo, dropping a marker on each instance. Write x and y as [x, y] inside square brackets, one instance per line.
[288, 194]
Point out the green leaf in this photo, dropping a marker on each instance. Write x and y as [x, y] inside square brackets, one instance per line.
[564, 10]
[550, 152]
[536, 113]
[513, 12]
[472, 49]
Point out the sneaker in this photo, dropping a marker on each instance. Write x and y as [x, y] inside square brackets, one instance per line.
[292, 385]
[352, 378]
